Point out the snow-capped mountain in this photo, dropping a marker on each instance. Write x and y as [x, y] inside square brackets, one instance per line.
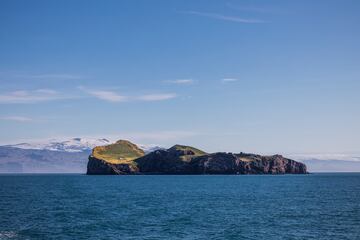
[74, 145]
[149, 148]
[53, 156]
[70, 145]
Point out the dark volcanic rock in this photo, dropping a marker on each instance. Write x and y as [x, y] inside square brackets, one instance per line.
[182, 160]
[228, 163]
[162, 162]
[100, 167]
[216, 163]
[276, 164]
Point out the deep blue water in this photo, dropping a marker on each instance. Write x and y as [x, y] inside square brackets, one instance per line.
[315, 206]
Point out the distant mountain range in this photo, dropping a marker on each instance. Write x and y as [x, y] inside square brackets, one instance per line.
[71, 156]
[52, 156]
[335, 162]
[71, 145]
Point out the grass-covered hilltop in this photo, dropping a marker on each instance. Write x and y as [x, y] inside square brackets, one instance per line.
[124, 157]
[120, 152]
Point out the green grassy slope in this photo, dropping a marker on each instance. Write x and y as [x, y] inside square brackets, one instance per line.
[120, 152]
[189, 152]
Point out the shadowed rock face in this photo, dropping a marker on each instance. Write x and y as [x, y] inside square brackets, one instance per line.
[187, 160]
[162, 161]
[228, 163]
[100, 167]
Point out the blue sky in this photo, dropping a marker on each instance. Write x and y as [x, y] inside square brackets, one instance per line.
[256, 76]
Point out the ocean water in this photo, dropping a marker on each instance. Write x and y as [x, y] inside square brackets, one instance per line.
[314, 206]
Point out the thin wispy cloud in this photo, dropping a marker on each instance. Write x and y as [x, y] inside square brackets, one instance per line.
[112, 96]
[225, 17]
[30, 96]
[181, 81]
[105, 95]
[108, 96]
[16, 118]
[228, 80]
[157, 97]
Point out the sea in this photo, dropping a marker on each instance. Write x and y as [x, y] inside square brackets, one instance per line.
[76, 206]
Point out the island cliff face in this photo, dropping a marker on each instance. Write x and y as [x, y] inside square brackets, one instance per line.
[188, 160]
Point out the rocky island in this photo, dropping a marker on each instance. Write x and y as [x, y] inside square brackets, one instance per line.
[126, 158]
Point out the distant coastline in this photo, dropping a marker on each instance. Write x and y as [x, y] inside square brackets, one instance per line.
[70, 155]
